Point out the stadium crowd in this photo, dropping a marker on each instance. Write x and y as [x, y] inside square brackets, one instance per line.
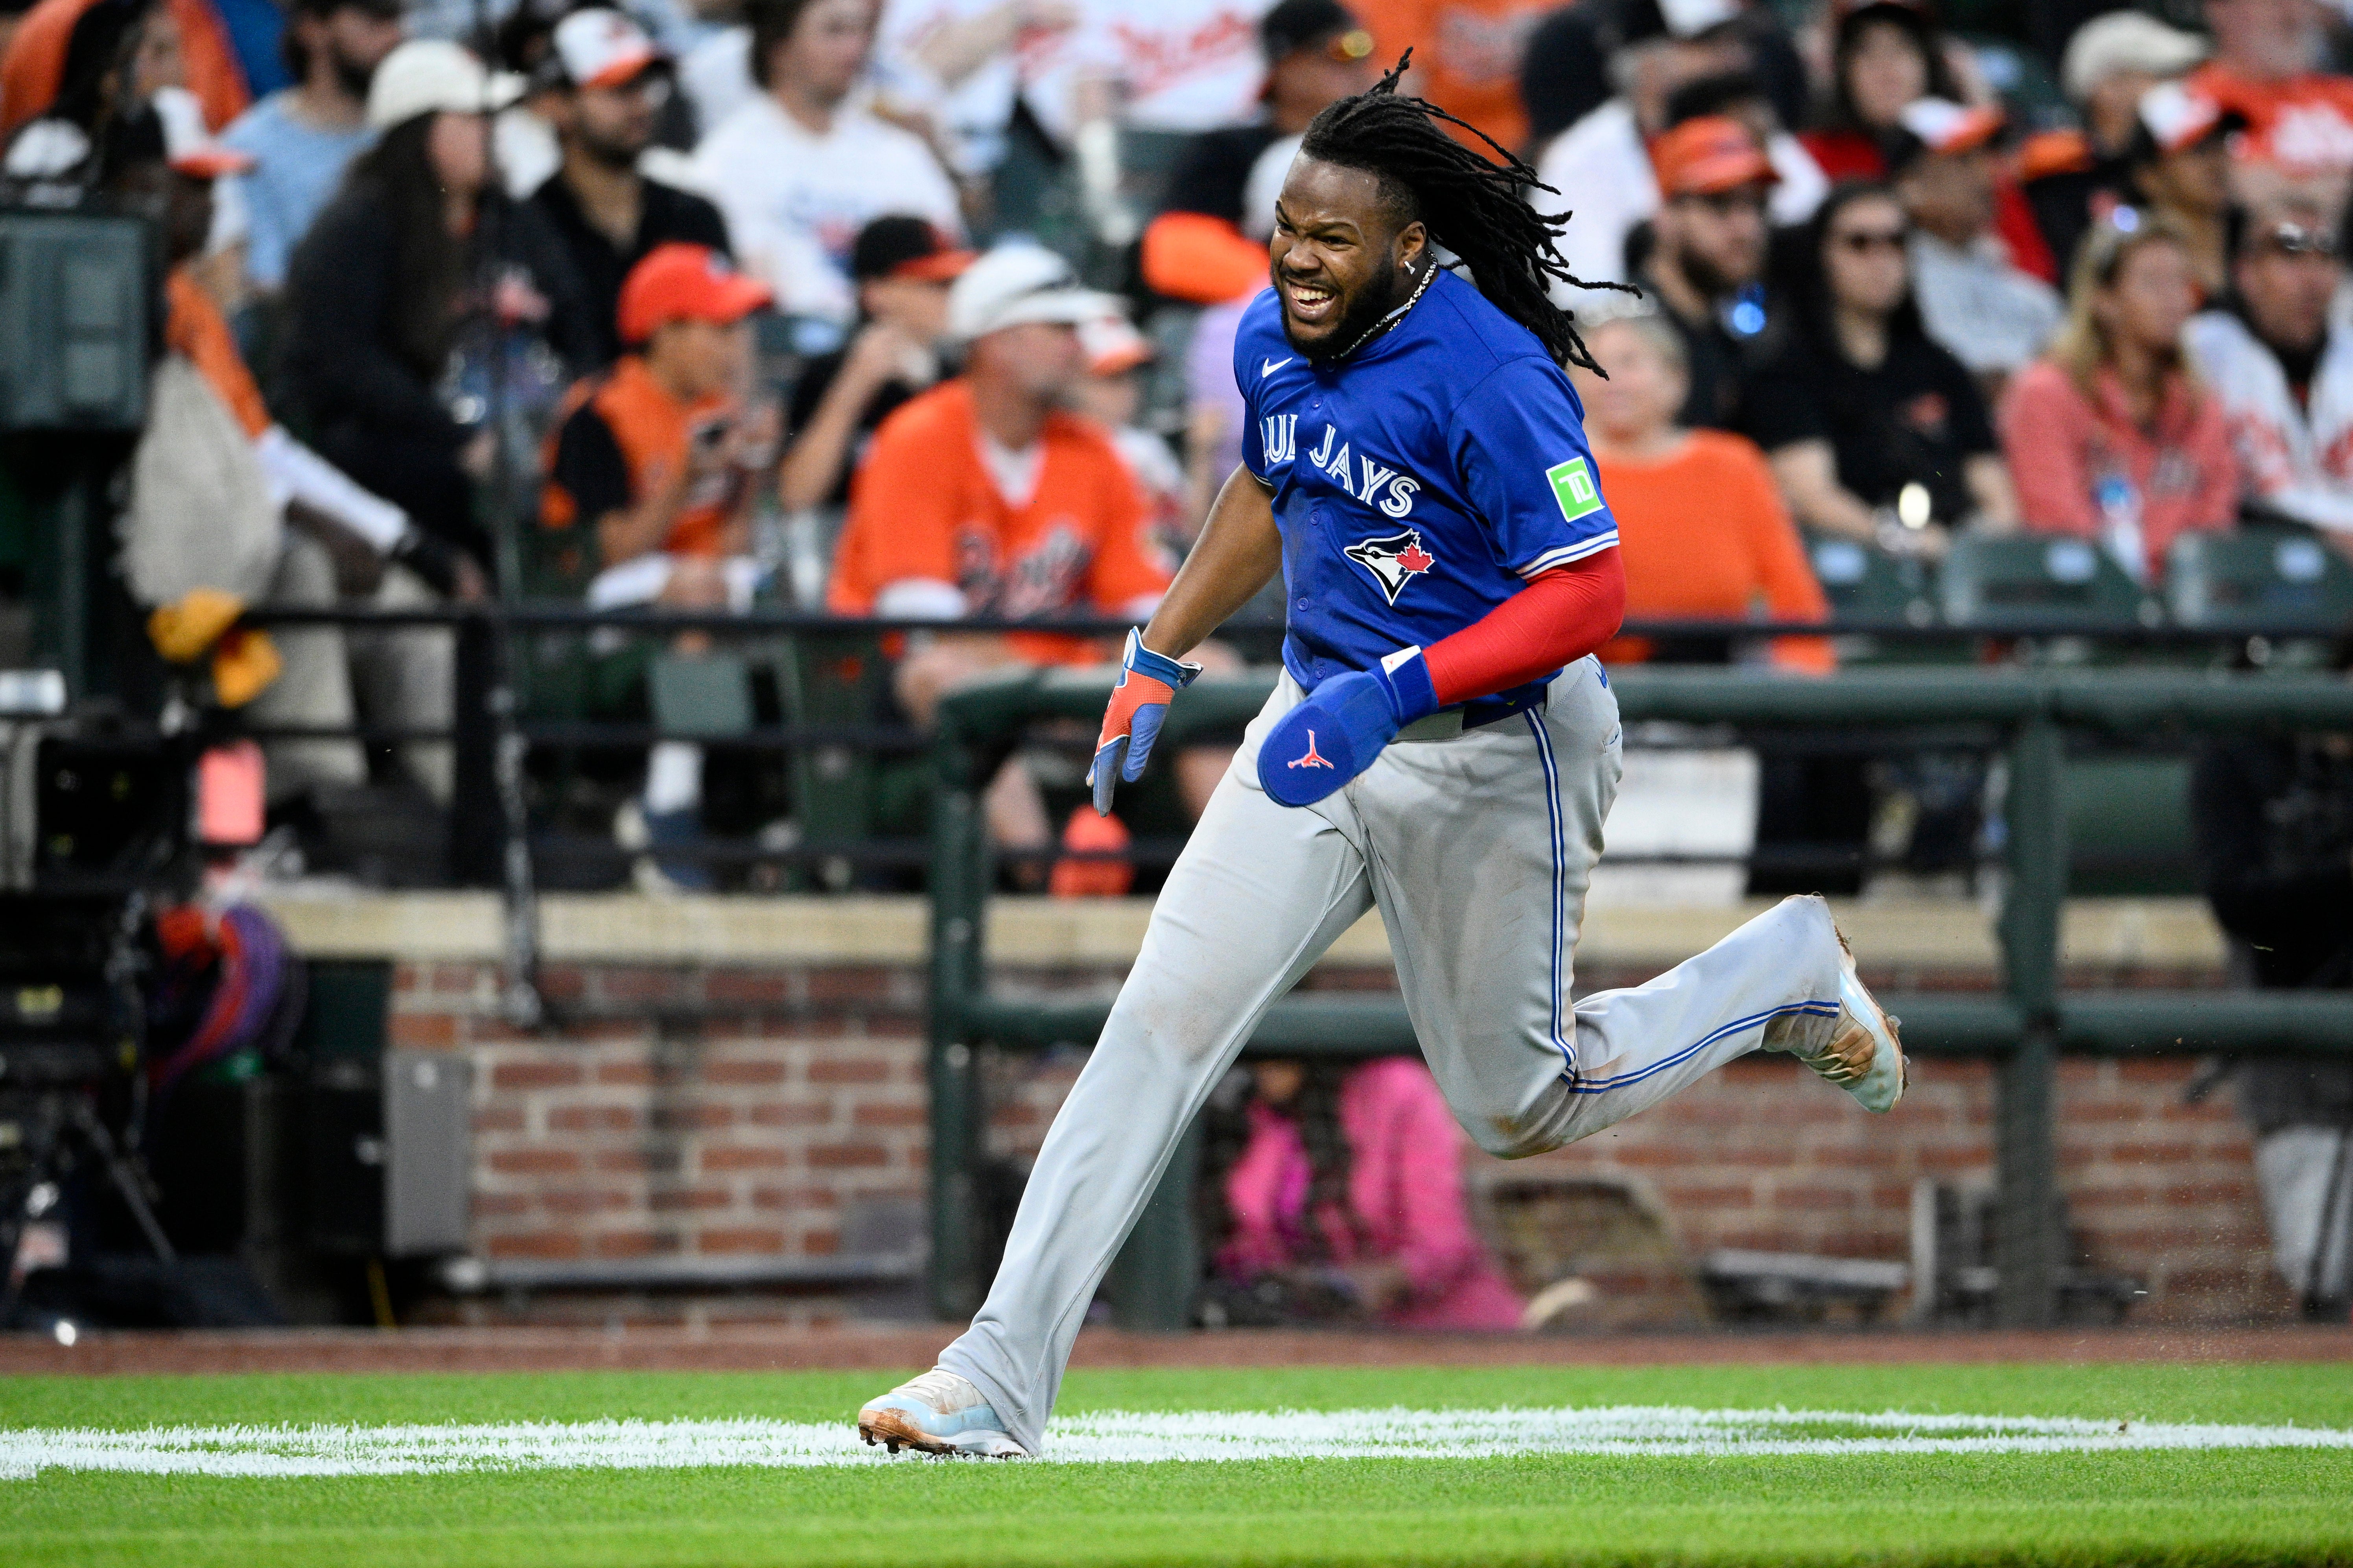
[924, 309]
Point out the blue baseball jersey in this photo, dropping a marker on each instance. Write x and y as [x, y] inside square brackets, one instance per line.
[1417, 483]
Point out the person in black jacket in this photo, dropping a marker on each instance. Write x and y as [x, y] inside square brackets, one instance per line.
[417, 284]
[2274, 815]
[610, 86]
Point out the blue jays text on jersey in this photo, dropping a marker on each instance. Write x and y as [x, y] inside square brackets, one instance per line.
[1417, 483]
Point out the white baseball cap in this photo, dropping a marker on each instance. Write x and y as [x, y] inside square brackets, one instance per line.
[1944, 126]
[433, 76]
[2126, 41]
[1020, 282]
[1690, 18]
[2176, 118]
[599, 47]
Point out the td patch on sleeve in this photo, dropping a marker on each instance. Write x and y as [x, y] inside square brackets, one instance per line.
[1573, 488]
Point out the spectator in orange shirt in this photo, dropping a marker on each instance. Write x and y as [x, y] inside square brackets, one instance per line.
[1466, 56]
[983, 497]
[2110, 437]
[655, 456]
[1700, 522]
[1704, 537]
[652, 473]
[2299, 117]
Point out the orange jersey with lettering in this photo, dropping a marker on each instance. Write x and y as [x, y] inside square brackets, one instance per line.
[924, 505]
[1466, 56]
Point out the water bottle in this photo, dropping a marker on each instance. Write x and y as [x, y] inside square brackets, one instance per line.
[2119, 502]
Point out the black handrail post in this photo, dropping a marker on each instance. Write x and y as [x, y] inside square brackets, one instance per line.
[959, 893]
[2026, 1250]
[477, 836]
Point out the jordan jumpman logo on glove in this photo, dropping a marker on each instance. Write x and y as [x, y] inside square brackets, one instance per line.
[1148, 681]
[1341, 726]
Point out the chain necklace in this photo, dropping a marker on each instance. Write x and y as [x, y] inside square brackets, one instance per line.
[1386, 322]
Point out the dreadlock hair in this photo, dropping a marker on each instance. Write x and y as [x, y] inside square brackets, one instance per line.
[1473, 208]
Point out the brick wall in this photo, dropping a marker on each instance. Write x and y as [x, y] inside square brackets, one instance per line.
[718, 1113]
[731, 1112]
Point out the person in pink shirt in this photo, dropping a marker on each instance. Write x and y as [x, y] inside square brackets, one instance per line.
[1345, 1198]
[2110, 436]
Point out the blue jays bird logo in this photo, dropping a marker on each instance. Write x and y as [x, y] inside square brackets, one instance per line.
[1394, 560]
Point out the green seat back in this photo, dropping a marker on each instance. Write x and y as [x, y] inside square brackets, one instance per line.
[1866, 584]
[2259, 579]
[1998, 585]
[835, 680]
[707, 697]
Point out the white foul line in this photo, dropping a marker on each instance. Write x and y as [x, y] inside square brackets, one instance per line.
[1116, 1436]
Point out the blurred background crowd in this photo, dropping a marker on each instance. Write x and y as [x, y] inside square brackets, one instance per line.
[923, 309]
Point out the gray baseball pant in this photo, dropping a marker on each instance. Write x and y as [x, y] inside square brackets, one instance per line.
[1476, 849]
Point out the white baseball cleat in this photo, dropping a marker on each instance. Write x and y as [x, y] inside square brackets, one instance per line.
[1861, 1054]
[938, 1412]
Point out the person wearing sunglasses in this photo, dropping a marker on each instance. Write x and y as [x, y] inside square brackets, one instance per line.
[1863, 406]
[610, 83]
[1975, 291]
[2283, 367]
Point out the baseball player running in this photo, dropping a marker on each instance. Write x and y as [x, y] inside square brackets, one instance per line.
[1442, 745]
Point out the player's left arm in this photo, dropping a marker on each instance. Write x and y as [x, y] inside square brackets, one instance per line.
[1521, 459]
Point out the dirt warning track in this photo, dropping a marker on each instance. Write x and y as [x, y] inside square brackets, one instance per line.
[748, 1348]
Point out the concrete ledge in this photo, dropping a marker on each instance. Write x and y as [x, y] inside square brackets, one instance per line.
[1955, 936]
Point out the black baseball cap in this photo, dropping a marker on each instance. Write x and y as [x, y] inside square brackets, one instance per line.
[1296, 24]
[900, 247]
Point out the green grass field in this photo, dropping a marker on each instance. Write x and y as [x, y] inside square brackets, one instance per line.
[2238, 1505]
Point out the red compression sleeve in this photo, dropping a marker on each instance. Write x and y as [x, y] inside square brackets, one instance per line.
[1562, 614]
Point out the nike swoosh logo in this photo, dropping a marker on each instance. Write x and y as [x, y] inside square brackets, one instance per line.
[1270, 366]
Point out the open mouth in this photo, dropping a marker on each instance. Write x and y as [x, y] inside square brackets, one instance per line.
[1309, 304]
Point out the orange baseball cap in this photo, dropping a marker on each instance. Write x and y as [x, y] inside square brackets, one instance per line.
[686, 283]
[1708, 156]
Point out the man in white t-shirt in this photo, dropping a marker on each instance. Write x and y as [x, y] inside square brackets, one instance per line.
[2281, 358]
[798, 170]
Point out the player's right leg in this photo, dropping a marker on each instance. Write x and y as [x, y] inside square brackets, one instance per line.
[1481, 849]
[1260, 892]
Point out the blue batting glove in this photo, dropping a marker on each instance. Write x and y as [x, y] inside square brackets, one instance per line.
[1334, 735]
[1148, 681]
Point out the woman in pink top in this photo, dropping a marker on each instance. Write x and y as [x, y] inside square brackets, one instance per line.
[2109, 437]
[1346, 1196]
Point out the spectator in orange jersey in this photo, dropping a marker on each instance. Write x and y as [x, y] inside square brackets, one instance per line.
[1466, 56]
[653, 472]
[983, 497]
[2268, 65]
[1700, 522]
[654, 459]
